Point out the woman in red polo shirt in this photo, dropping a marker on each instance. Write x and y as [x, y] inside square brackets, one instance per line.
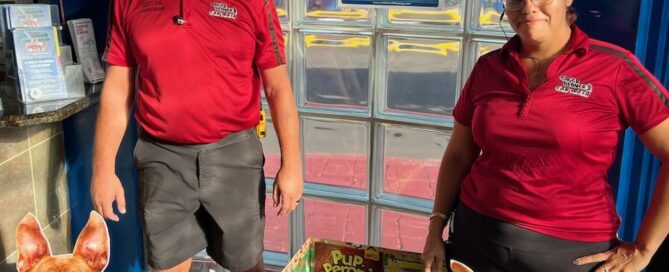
[537, 128]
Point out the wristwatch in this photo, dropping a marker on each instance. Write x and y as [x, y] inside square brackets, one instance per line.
[437, 214]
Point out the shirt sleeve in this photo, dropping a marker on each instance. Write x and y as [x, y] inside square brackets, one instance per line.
[270, 46]
[464, 108]
[117, 51]
[643, 101]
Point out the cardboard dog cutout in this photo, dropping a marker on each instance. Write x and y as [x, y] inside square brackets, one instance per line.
[459, 267]
[91, 251]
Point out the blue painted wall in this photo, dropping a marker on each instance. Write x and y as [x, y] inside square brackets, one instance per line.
[642, 27]
[127, 251]
[615, 23]
[640, 170]
[95, 10]
[126, 238]
[636, 26]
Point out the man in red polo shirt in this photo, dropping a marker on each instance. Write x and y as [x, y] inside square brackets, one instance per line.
[199, 65]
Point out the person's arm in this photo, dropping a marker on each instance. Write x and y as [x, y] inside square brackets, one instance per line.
[455, 165]
[288, 184]
[655, 226]
[115, 102]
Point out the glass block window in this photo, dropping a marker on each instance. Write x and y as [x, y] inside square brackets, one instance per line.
[487, 14]
[375, 90]
[336, 152]
[282, 10]
[331, 220]
[450, 16]
[276, 229]
[485, 47]
[421, 76]
[336, 71]
[411, 170]
[403, 231]
[329, 12]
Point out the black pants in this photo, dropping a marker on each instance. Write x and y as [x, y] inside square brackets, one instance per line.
[488, 245]
[660, 262]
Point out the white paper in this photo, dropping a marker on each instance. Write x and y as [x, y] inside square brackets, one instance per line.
[85, 49]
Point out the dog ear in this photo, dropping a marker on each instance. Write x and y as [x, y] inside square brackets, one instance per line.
[459, 267]
[93, 243]
[31, 243]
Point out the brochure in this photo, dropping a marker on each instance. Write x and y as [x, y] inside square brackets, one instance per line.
[83, 42]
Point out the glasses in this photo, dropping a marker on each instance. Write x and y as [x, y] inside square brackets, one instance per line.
[518, 4]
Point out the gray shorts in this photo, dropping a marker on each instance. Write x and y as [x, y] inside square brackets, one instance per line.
[209, 196]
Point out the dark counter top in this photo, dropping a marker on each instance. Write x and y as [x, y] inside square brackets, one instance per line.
[20, 115]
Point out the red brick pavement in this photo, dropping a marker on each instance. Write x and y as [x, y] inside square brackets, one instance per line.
[403, 176]
[338, 221]
[403, 231]
[276, 228]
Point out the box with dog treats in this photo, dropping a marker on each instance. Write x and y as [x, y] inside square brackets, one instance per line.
[321, 255]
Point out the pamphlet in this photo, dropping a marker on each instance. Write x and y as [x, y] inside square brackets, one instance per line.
[32, 15]
[40, 76]
[83, 42]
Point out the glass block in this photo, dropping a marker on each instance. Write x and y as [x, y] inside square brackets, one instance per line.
[486, 17]
[337, 221]
[286, 42]
[421, 76]
[403, 231]
[328, 12]
[410, 160]
[337, 68]
[276, 228]
[336, 152]
[483, 47]
[270, 146]
[478, 48]
[451, 15]
[282, 10]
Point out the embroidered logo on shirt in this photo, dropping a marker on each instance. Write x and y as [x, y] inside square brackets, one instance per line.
[152, 5]
[222, 10]
[571, 85]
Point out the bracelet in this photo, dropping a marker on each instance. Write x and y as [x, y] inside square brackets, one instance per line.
[437, 214]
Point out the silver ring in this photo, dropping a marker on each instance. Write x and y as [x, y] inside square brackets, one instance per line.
[606, 269]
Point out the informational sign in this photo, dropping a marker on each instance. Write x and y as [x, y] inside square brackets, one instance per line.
[14, 16]
[85, 48]
[419, 4]
[34, 15]
[40, 74]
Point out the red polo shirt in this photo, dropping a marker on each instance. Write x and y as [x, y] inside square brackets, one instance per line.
[198, 81]
[546, 152]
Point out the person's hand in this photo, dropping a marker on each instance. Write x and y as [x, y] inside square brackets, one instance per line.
[104, 191]
[434, 253]
[624, 257]
[288, 187]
